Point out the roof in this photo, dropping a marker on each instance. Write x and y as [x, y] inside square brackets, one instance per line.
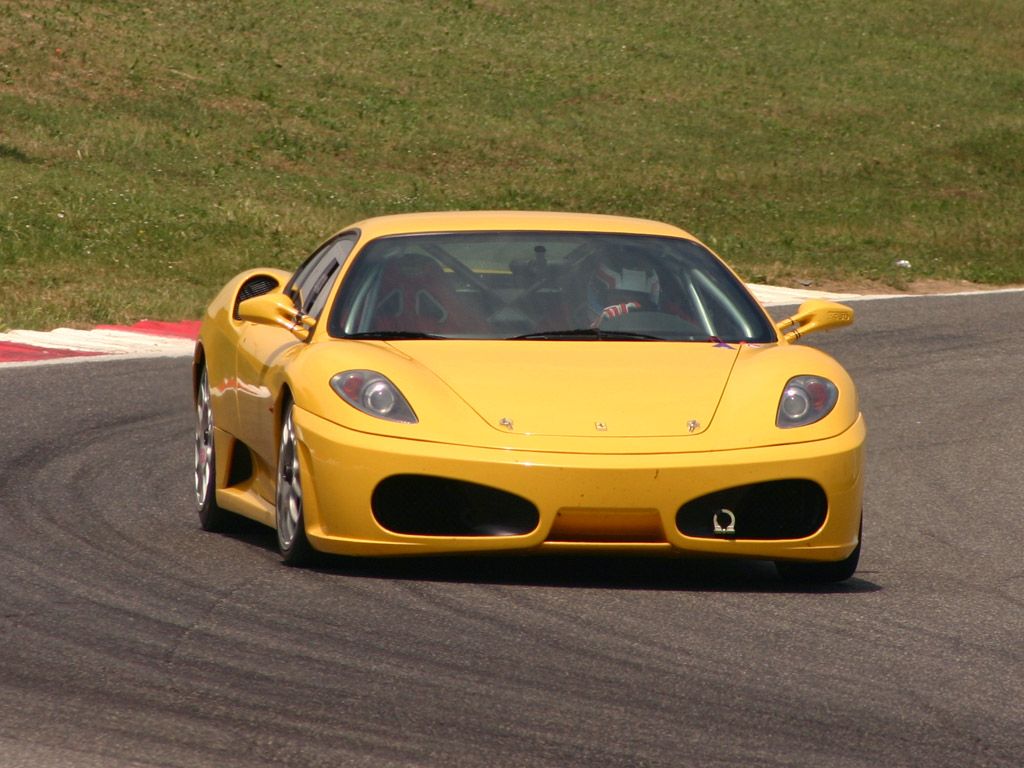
[478, 221]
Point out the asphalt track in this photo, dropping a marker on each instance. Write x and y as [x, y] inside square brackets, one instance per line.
[128, 637]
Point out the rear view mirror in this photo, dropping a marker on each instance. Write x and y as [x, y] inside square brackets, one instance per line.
[816, 315]
[276, 309]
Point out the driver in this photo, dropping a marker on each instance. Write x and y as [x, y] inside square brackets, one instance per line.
[622, 282]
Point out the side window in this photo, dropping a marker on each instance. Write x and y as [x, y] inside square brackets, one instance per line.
[312, 281]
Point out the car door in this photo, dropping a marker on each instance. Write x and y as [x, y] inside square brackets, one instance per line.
[264, 352]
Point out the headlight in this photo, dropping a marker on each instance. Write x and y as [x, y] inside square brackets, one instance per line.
[805, 400]
[373, 394]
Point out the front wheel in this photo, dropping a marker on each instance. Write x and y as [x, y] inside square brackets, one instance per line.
[292, 542]
[821, 573]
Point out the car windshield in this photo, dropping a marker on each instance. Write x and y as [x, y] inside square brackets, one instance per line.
[542, 286]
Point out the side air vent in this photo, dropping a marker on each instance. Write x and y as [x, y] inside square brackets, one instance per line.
[240, 467]
[257, 285]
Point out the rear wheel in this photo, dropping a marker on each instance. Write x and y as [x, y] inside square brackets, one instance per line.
[211, 517]
[292, 543]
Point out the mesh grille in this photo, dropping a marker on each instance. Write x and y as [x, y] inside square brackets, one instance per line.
[257, 285]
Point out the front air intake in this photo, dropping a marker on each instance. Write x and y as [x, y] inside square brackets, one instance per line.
[779, 509]
[421, 505]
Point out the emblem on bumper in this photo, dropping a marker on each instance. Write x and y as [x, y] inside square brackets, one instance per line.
[723, 516]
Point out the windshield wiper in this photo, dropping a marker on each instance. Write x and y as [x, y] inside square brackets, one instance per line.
[577, 334]
[391, 335]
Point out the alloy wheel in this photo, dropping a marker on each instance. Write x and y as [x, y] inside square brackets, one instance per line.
[289, 487]
[204, 464]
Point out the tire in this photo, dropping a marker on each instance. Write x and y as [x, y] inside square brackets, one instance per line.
[292, 542]
[211, 517]
[820, 573]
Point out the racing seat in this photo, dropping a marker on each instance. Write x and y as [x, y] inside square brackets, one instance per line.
[416, 295]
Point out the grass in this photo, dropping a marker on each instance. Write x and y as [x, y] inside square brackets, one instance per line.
[148, 151]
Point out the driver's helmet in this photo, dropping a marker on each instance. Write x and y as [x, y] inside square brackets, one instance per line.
[621, 282]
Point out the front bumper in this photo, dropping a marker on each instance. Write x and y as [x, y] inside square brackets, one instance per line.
[582, 499]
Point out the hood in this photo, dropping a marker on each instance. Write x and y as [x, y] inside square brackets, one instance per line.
[583, 388]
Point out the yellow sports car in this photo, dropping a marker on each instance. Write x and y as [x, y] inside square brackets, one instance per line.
[515, 381]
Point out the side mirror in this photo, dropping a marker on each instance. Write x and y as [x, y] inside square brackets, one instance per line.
[816, 315]
[276, 309]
